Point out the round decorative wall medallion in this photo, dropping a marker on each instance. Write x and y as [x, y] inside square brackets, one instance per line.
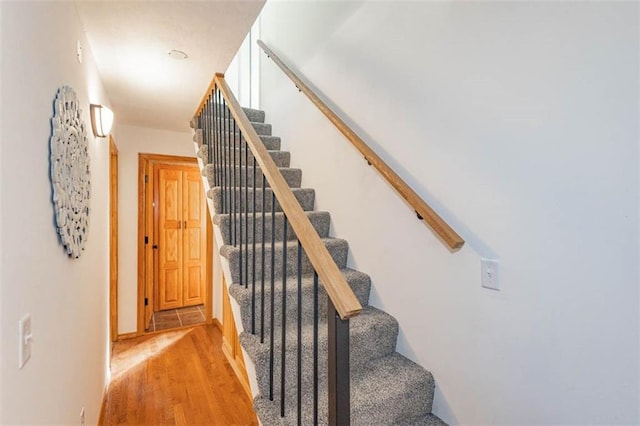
[70, 175]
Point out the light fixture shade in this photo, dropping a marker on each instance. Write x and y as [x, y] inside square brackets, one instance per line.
[101, 120]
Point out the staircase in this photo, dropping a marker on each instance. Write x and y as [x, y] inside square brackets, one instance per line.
[386, 388]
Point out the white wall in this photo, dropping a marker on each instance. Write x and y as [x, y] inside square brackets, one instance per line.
[67, 298]
[518, 122]
[131, 141]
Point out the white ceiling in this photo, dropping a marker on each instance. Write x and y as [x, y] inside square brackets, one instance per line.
[130, 41]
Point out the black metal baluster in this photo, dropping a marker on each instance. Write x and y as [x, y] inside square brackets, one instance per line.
[230, 178]
[299, 333]
[262, 272]
[204, 128]
[218, 123]
[214, 138]
[338, 367]
[253, 255]
[273, 283]
[239, 193]
[284, 316]
[235, 188]
[246, 213]
[222, 124]
[212, 135]
[315, 347]
[209, 136]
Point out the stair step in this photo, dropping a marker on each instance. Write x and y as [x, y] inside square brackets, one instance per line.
[293, 177]
[372, 335]
[280, 158]
[251, 113]
[255, 115]
[319, 220]
[359, 282]
[383, 392]
[260, 128]
[337, 248]
[392, 388]
[272, 143]
[305, 196]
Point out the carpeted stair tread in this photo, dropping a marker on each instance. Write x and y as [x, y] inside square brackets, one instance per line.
[238, 176]
[293, 177]
[262, 128]
[320, 221]
[408, 389]
[305, 196]
[271, 143]
[372, 335]
[338, 249]
[280, 158]
[385, 391]
[359, 282]
[254, 115]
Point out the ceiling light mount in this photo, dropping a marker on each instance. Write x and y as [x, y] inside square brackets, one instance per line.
[178, 55]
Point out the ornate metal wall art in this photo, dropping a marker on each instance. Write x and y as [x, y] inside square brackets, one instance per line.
[70, 174]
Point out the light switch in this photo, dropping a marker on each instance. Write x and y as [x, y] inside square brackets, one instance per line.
[24, 347]
[490, 274]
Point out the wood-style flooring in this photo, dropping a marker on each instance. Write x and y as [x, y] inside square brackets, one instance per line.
[178, 377]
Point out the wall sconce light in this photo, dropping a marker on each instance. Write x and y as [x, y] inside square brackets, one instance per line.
[101, 120]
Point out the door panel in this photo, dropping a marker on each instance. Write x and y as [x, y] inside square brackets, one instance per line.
[192, 291]
[171, 293]
[170, 244]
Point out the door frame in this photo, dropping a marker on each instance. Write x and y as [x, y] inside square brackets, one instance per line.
[146, 162]
[113, 239]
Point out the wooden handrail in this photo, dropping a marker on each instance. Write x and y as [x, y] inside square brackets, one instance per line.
[422, 209]
[341, 294]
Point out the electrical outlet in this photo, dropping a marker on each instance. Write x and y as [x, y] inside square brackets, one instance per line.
[490, 269]
[25, 336]
[82, 421]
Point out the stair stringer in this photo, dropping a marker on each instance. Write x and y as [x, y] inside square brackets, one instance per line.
[226, 271]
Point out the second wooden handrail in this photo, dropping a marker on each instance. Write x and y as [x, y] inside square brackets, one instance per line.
[422, 209]
[337, 288]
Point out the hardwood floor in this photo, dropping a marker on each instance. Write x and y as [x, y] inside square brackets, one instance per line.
[179, 377]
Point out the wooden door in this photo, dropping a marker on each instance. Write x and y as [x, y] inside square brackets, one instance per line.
[181, 237]
[194, 241]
